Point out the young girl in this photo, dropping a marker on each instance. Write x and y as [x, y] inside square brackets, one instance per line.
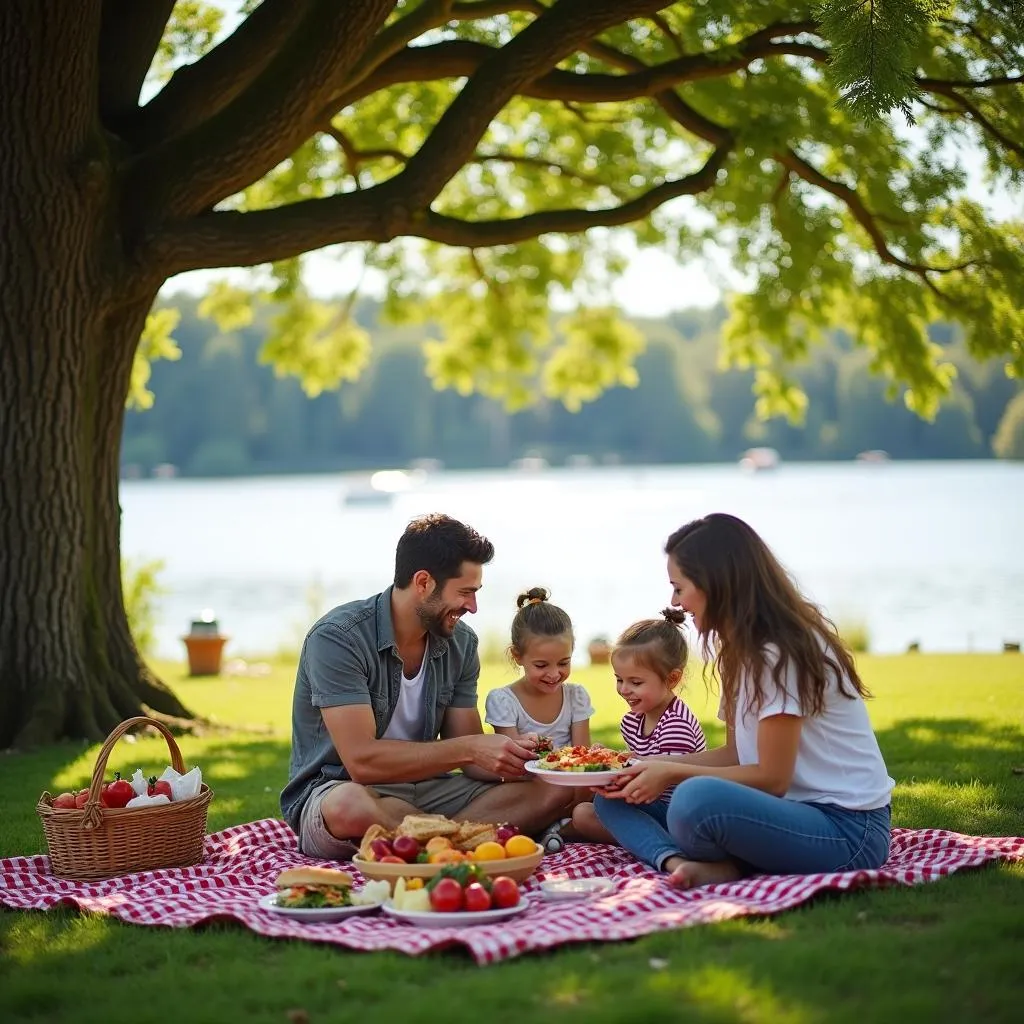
[648, 660]
[800, 785]
[541, 704]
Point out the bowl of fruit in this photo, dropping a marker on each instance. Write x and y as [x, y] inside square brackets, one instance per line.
[425, 843]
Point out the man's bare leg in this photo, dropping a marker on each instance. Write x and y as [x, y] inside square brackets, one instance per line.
[350, 809]
[530, 806]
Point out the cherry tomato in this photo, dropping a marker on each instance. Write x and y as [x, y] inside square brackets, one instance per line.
[476, 897]
[446, 897]
[504, 892]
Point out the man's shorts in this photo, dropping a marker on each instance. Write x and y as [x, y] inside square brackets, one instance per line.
[445, 794]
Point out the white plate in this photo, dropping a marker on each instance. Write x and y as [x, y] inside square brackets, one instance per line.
[269, 902]
[436, 919]
[580, 779]
[576, 888]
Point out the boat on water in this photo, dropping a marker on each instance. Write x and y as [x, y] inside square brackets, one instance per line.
[873, 455]
[756, 460]
[380, 488]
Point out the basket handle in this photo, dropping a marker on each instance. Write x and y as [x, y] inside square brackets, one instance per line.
[91, 818]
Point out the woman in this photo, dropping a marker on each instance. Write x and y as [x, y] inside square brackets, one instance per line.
[800, 785]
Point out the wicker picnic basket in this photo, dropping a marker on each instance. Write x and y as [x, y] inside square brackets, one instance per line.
[101, 842]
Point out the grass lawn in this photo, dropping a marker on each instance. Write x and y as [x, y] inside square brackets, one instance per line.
[952, 731]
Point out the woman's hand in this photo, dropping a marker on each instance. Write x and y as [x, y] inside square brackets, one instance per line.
[643, 783]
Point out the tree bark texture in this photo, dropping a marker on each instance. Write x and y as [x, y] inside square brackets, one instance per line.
[69, 326]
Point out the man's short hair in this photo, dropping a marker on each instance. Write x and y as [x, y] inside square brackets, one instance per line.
[438, 544]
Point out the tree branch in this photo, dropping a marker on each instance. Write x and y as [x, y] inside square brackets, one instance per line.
[462, 58]
[198, 91]
[850, 197]
[965, 106]
[355, 157]
[978, 83]
[130, 32]
[230, 238]
[267, 121]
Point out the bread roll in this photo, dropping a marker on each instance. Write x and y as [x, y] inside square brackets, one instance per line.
[314, 876]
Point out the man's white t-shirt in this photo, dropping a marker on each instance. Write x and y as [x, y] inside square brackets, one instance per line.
[410, 717]
[838, 760]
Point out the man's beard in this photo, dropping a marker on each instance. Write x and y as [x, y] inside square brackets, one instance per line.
[435, 619]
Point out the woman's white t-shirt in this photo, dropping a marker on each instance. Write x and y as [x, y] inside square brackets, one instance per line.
[502, 708]
[838, 760]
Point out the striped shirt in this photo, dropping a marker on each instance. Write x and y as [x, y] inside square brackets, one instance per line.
[677, 732]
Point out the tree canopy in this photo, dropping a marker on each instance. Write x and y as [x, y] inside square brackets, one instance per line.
[469, 148]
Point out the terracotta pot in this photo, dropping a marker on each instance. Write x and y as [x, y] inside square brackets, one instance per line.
[204, 654]
[600, 652]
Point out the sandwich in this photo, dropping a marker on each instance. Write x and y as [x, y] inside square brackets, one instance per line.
[311, 888]
[424, 827]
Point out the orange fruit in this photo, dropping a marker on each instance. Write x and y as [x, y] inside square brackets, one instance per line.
[446, 857]
[489, 851]
[520, 846]
[438, 843]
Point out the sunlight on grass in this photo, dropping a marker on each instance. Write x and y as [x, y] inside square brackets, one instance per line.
[730, 993]
[568, 991]
[34, 939]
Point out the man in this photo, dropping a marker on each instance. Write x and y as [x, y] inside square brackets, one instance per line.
[378, 682]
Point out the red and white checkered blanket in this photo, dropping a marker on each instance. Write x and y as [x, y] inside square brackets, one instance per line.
[242, 863]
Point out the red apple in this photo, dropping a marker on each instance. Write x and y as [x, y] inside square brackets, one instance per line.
[406, 847]
[392, 859]
[381, 848]
[64, 802]
[505, 832]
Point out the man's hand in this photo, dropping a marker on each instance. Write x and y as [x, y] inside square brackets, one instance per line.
[500, 755]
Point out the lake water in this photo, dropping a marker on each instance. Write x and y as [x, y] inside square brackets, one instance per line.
[927, 552]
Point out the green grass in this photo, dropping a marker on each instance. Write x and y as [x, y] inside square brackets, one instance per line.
[952, 730]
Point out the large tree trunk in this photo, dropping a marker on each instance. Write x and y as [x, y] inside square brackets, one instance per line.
[70, 320]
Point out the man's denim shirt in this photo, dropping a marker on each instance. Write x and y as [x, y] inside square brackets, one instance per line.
[349, 657]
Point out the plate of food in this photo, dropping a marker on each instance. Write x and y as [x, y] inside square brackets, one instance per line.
[322, 894]
[579, 766]
[423, 844]
[461, 895]
[455, 918]
[575, 888]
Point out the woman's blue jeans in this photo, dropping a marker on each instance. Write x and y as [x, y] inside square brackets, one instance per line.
[711, 819]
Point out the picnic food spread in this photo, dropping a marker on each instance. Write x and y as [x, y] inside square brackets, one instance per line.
[594, 758]
[435, 839]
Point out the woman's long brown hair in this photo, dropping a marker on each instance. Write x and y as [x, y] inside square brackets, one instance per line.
[751, 602]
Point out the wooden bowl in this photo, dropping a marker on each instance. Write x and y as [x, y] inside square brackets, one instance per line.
[518, 868]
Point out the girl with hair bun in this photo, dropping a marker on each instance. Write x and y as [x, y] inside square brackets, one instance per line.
[649, 659]
[541, 705]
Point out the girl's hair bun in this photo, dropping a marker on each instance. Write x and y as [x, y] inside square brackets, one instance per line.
[674, 615]
[532, 596]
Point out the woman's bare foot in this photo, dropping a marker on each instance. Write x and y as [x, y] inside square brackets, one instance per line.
[689, 874]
